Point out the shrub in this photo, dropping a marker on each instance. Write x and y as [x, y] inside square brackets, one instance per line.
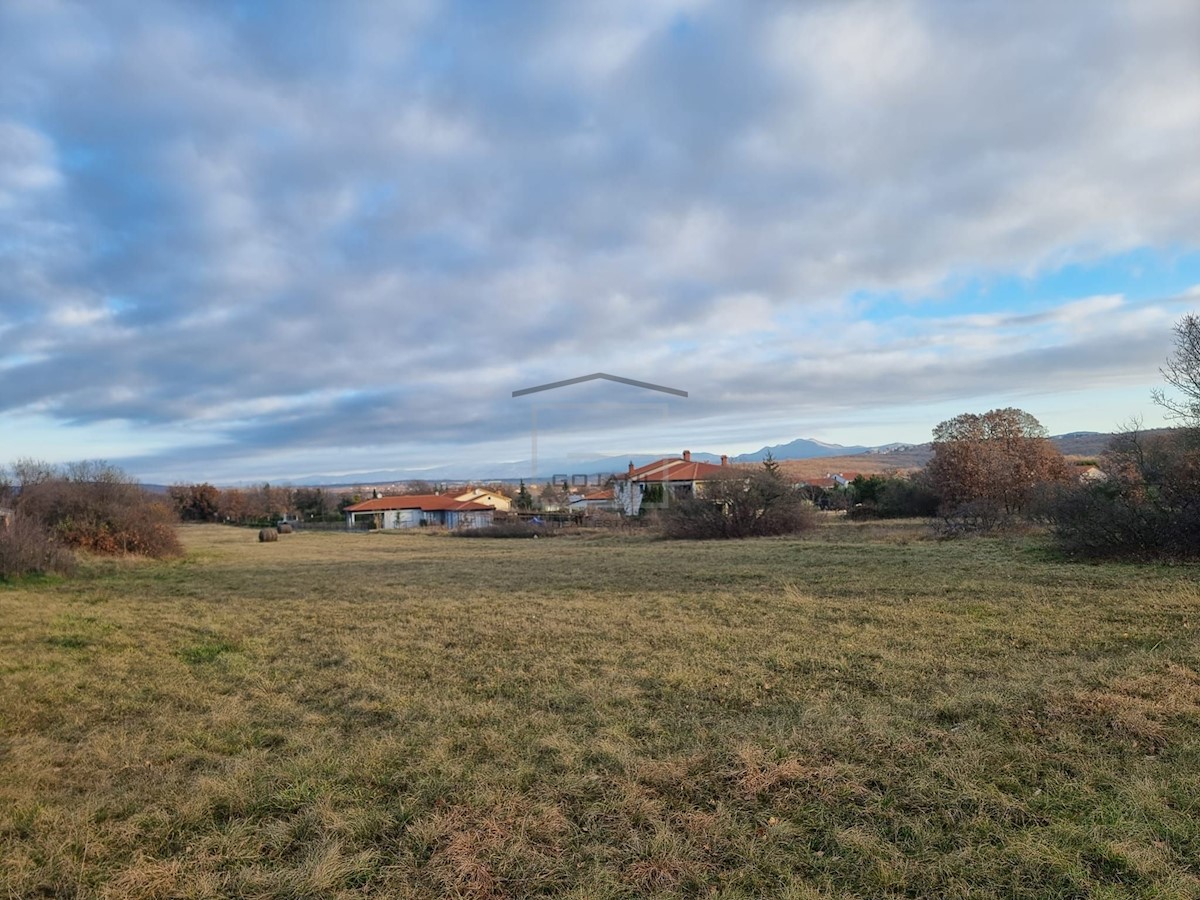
[893, 497]
[96, 507]
[740, 506]
[27, 549]
[1148, 506]
[195, 502]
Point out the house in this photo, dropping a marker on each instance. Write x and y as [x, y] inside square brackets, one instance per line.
[416, 510]
[601, 500]
[495, 500]
[664, 480]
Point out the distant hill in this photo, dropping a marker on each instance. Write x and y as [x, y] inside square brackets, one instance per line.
[1082, 443]
[801, 448]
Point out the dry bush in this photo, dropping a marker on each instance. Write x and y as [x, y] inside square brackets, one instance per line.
[892, 497]
[97, 507]
[740, 506]
[973, 517]
[1148, 506]
[27, 549]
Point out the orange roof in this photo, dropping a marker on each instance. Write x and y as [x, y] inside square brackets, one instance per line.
[605, 494]
[826, 482]
[424, 502]
[676, 469]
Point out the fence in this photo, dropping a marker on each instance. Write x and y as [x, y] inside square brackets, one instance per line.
[330, 526]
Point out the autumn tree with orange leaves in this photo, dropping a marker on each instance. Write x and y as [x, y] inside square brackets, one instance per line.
[997, 459]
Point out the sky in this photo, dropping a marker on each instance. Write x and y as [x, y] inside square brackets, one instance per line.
[261, 240]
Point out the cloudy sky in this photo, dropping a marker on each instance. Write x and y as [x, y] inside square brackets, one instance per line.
[260, 240]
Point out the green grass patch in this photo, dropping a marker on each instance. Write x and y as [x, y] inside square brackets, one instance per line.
[206, 651]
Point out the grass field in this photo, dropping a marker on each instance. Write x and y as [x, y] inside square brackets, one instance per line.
[863, 713]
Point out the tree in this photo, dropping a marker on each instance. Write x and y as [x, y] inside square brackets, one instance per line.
[995, 460]
[771, 465]
[524, 498]
[195, 502]
[312, 503]
[552, 496]
[1182, 372]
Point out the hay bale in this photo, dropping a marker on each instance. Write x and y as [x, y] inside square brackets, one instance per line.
[267, 534]
[285, 528]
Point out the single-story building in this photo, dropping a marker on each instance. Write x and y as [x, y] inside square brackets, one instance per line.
[664, 480]
[415, 510]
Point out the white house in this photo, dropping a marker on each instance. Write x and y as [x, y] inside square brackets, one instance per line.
[671, 478]
[416, 510]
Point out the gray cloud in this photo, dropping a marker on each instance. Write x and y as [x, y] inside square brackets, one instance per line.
[359, 224]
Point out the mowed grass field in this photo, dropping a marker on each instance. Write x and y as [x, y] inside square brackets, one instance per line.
[860, 713]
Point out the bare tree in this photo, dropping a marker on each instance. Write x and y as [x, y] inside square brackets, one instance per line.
[1182, 372]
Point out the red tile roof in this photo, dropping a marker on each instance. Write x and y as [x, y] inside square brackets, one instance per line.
[826, 482]
[605, 494]
[676, 469]
[424, 502]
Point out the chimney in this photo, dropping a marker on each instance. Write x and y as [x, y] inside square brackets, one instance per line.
[631, 467]
[724, 459]
[687, 455]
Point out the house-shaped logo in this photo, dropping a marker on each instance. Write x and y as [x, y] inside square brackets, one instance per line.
[596, 376]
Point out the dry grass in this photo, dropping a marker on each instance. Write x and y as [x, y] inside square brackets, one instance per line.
[867, 713]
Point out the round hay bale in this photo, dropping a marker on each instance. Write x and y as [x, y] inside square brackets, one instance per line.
[285, 528]
[267, 534]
